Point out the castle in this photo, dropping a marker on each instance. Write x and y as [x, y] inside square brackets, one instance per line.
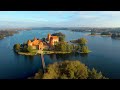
[36, 43]
[52, 39]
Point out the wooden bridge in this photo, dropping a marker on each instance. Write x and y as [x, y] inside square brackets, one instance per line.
[43, 63]
[42, 58]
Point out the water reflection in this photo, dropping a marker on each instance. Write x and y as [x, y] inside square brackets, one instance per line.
[16, 55]
[63, 56]
[66, 56]
[84, 55]
[53, 56]
[31, 58]
[25, 57]
[116, 38]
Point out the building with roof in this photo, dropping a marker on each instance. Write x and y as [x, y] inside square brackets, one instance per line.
[52, 39]
[36, 43]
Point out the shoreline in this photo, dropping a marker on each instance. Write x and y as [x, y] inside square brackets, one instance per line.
[44, 52]
[48, 52]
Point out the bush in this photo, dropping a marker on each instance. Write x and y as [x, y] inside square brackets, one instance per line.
[69, 70]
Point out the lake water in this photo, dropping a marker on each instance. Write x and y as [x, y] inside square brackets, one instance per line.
[105, 55]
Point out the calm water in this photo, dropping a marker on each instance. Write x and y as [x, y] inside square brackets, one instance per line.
[105, 55]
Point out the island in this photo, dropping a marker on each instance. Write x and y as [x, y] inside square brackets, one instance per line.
[100, 34]
[53, 44]
[81, 44]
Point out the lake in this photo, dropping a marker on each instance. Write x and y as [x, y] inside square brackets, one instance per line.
[105, 55]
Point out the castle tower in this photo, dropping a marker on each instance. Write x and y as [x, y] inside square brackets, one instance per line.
[40, 46]
[48, 37]
[51, 41]
[29, 43]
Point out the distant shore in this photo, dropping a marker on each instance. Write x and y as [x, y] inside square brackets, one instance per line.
[97, 35]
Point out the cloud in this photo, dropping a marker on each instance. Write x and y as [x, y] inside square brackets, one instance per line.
[62, 18]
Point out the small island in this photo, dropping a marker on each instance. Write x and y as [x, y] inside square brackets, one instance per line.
[54, 44]
[100, 34]
[81, 44]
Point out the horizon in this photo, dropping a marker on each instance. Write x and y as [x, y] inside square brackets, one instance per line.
[29, 19]
[8, 28]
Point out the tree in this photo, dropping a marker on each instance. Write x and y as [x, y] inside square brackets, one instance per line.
[63, 46]
[17, 47]
[93, 74]
[66, 70]
[84, 49]
[43, 39]
[61, 38]
[77, 48]
[82, 41]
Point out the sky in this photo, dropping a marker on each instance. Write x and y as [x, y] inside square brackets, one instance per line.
[59, 19]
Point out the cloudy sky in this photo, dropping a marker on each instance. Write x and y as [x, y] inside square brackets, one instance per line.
[59, 18]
